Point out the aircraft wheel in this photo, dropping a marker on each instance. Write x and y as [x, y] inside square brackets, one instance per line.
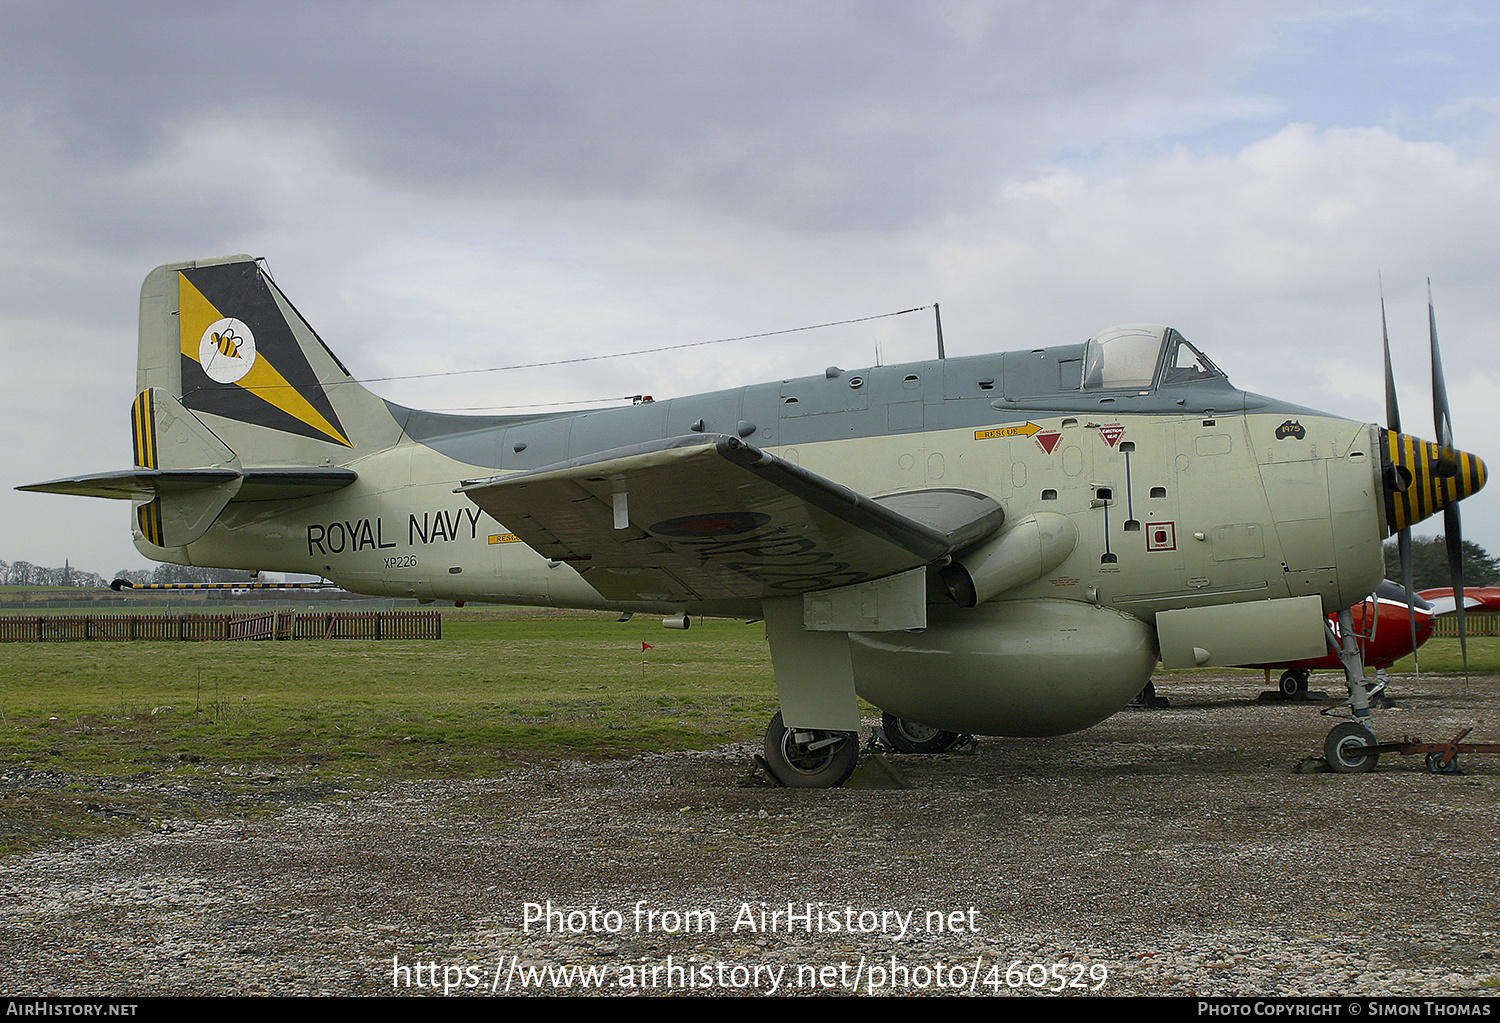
[1293, 684]
[1347, 736]
[915, 737]
[809, 758]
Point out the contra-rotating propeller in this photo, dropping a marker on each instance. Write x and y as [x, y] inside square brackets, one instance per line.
[1422, 477]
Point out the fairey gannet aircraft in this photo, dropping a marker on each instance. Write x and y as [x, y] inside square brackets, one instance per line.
[998, 544]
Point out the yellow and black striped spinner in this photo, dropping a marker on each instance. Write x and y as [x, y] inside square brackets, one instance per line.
[143, 430]
[1422, 477]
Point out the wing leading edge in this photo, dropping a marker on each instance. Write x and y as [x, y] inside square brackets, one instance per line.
[709, 517]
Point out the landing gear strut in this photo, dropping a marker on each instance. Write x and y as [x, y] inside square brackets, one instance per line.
[805, 758]
[1346, 742]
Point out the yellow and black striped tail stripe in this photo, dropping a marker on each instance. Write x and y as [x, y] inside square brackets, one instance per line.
[229, 586]
[143, 430]
[1422, 477]
[148, 516]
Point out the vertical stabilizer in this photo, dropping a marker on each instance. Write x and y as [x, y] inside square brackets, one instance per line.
[219, 336]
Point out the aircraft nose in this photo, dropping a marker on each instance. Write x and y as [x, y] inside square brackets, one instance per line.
[1422, 477]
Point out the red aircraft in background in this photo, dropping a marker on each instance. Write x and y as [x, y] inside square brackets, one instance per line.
[1388, 636]
[1382, 623]
[1476, 598]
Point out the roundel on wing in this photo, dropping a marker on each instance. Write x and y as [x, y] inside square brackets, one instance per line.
[227, 350]
[693, 527]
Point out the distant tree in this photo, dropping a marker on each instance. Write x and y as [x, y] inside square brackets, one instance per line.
[196, 574]
[24, 573]
[1429, 564]
[140, 576]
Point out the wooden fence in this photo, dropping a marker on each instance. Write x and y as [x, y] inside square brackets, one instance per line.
[1474, 625]
[271, 625]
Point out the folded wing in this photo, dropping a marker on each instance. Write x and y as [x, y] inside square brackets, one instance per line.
[709, 517]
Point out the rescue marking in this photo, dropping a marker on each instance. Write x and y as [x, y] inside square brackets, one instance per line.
[1029, 430]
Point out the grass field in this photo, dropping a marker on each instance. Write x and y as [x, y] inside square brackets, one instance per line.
[492, 692]
[101, 735]
[112, 725]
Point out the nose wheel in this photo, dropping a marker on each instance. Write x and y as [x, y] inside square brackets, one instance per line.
[1344, 746]
[807, 758]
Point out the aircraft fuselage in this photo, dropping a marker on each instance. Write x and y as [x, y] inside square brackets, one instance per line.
[1183, 496]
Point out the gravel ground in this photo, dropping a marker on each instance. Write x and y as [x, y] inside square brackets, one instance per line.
[1173, 852]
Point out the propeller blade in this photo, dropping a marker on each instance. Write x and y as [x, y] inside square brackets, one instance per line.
[1403, 538]
[1453, 535]
[1392, 413]
[1403, 545]
[1442, 421]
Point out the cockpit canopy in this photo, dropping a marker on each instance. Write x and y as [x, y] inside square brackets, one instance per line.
[1141, 356]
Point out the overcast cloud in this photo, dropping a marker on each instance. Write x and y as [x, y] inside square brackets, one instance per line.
[456, 185]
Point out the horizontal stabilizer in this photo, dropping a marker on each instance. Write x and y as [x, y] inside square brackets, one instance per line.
[710, 517]
[257, 485]
[135, 483]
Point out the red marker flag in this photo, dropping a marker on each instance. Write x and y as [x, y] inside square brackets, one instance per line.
[646, 646]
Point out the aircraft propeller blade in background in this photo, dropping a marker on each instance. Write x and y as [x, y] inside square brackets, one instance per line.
[1452, 528]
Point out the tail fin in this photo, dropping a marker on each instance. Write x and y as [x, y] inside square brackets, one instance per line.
[237, 399]
[219, 336]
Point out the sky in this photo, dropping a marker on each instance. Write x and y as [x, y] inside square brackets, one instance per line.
[456, 185]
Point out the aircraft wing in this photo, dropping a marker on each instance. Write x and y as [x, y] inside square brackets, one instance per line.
[709, 517]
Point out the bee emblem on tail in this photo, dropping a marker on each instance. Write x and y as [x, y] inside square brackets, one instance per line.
[226, 350]
[227, 343]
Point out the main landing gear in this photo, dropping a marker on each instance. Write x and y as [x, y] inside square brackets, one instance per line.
[914, 737]
[1293, 684]
[803, 758]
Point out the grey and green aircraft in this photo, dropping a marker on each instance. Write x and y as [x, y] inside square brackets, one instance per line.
[999, 544]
